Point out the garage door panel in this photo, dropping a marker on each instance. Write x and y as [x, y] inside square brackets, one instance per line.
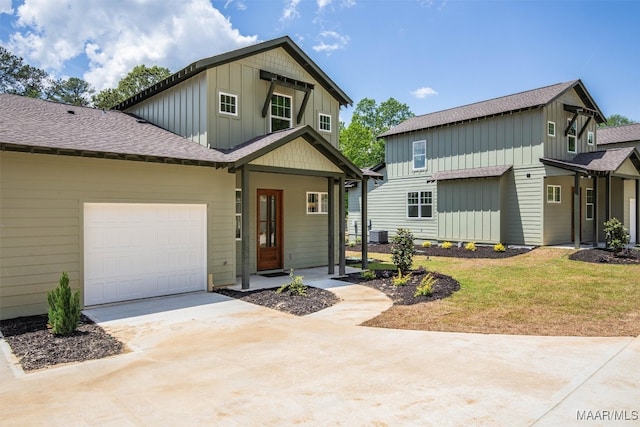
[143, 250]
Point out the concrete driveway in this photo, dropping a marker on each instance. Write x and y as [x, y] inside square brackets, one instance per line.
[203, 359]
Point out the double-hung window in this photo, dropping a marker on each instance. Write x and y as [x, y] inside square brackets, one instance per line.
[228, 104]
[590, 138]
[420, 155]
[572, 137]
[589, 199]
[317, 202]
[551, 128]
[420, 204]
[280, 112]
[553, 194]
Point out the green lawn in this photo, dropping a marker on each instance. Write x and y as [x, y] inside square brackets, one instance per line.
[539, 293]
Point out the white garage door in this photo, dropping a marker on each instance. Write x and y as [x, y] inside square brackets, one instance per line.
[136, 251]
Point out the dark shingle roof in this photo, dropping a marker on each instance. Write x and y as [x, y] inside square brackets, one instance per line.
[28, 124]
[485, 172]
[614, 134]
[510, 103]
[197, 67]
[596, 162]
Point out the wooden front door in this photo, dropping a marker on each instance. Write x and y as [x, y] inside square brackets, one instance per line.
[269, 229]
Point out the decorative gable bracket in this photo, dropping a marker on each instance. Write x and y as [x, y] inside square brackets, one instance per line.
[279, 80]
[579, 111]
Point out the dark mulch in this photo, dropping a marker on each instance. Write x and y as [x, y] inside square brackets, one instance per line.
[36, 347]
[626, 256]
[299, 305]
[480, 252]
[444, 286]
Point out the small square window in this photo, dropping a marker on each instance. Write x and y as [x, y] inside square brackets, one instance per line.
[551, 128]
[317, 203]
[553, 194]
[590, 138]
[228, 104]
[324, 122]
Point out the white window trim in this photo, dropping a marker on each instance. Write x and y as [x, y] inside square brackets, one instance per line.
[271, 116]
[554, 129]
[419, 205]
[239, 215]
[220, 104]
[590, 138]
[572, 136]
[320, 116]
[586, 204]
[413, 158]
[554, 193]
[319, 194]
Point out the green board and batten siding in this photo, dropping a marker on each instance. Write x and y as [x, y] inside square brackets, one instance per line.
[41, 206]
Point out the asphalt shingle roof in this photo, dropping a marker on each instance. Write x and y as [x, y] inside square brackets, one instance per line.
[614, 134]
[595, 161]
[519, 101]
[485, 172]
[59, 127]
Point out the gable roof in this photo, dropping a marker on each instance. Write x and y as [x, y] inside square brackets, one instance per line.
[36, 125]
[506, 104]
[197, 67]
[597, 162]
[615, 134]
[257, 147]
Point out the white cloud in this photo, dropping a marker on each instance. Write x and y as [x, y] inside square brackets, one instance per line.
[239, 4]
[330, 41]
[290, 11]
[120, 34]
[322, 3]
[423, 92]
[5, 7]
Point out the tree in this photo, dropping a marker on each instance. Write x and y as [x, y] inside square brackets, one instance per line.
[616, 120]
[73, 91]
[138, 79]
[359, 140]
[19, 78]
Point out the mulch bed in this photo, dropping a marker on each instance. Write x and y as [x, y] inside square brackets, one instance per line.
[444, 286]
[480, 252]
[595, 255]
[299, 305]
[36, 347]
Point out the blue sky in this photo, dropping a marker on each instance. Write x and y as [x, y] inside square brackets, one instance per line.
[429, 54]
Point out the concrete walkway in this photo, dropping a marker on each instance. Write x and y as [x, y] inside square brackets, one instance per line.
[203, 359]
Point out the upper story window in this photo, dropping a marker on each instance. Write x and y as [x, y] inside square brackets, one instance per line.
[551, 128]
[317, 203]
[553, 194]
[228, 104]
[420, 204]
[324, 122]
[419, 155]
[280, 112]
[572, 137]
[590, 138]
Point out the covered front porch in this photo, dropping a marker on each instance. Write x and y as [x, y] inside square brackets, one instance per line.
[604, 185]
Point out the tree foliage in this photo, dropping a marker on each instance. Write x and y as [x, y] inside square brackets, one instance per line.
[74, 91]
[19, 78]
[138, 79]
[359, 141]
[617, 120]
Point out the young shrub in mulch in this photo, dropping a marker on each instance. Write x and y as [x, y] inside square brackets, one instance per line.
[617, 236]
[402, 250]
[295, 287]
[64, 308]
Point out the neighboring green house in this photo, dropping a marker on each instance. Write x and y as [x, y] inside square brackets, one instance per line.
[520, 169]
[227, 168]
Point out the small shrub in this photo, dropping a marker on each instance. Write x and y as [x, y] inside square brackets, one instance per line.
[471, 246]
[400, 279]
[446, 245]
[499, 247]
[426, 244]
[352, 244]
[425, 288]
[368, 274]
[402, 249]
[64, 308]
[617, 235]
[358, 240]
[295, 286]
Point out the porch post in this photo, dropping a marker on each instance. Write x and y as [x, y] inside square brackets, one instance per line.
[364, 220]
[332, 226]
[576, 210]
[637, 211]
[342, 269]
[595, 211]
[607, 210]
[246, 233]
